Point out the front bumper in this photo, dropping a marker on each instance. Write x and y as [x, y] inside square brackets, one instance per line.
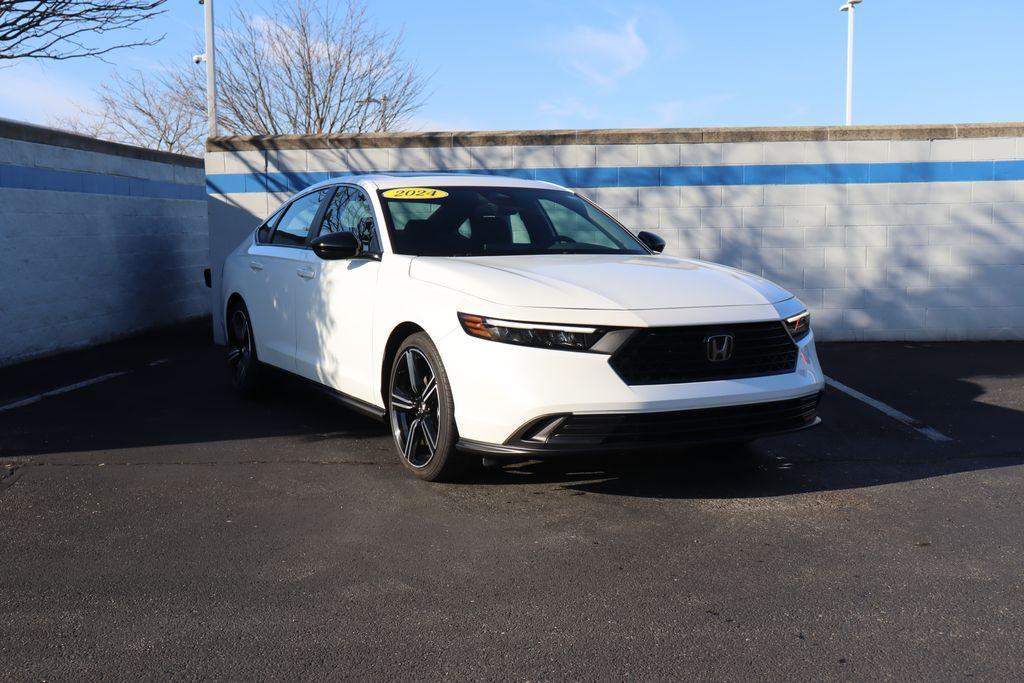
[592, 433]
[498, 389]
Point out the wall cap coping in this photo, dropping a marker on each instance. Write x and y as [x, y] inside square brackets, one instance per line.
[29, 132]
[613, 136]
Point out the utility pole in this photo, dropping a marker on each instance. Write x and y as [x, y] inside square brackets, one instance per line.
[849, 9]
[382, 102]
[211, 73]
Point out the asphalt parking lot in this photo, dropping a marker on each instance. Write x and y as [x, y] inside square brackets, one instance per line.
[151, 525]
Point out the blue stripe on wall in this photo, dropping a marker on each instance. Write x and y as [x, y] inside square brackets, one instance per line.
[33, 178]
[671, 176]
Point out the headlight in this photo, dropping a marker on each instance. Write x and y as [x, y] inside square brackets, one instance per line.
[799, 325]
[544, 335]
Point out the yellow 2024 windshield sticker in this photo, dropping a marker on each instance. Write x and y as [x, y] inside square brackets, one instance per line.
[414, 193]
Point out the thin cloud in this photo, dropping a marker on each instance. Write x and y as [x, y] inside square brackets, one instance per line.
[440, 123]
[603, 56]
[29, 92]
[695, 111]
[568, 110]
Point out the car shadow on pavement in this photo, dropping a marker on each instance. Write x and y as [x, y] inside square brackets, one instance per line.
[974, 393]
[181, 402]
[181, 408]
[739, 472]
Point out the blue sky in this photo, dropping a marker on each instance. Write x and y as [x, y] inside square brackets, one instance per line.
[574, 64]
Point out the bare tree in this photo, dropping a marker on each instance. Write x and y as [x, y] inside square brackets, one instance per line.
[307, 68]
[59, 29]
[148, 110]
[301, 68]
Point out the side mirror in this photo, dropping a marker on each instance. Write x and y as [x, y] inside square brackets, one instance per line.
[651, 241]
[336, 245]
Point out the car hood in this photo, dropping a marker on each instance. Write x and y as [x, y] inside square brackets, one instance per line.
[597, 282]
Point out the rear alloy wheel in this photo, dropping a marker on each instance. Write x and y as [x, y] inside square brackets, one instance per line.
[421, 411]
[244, 368]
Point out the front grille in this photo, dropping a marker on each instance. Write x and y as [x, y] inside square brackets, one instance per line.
[671, 355]
[703, 424]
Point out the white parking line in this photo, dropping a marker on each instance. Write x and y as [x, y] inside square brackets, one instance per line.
[916, 425]
[63, 390]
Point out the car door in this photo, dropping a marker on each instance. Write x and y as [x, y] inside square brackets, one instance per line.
[254, 279]
[336, 305]
[280, 266]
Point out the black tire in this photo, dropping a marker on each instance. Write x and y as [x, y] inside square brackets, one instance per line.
[245, 371]
[421, 412]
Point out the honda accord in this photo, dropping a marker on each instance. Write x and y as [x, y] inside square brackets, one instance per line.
[490, 316]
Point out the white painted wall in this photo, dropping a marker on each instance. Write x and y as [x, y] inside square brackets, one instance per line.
[885, 261]
[80, 267]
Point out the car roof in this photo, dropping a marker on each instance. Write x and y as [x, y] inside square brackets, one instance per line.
[386, 181]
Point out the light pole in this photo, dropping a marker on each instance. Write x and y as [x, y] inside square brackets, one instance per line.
[211, 73]
[848, 8]
[382, 102]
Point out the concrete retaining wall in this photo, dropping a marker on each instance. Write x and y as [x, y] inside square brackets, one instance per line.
[892, 232]
[97, 240]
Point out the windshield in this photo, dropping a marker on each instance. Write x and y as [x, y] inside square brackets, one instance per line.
[494, 221]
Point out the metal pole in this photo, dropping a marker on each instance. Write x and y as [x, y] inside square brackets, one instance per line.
[382, 112]
[849, 64]
[211, 72]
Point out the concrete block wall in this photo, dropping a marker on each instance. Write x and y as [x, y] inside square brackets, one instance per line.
[887, 233]
[97, 240]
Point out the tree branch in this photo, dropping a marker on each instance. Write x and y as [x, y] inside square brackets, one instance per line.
[56, 29]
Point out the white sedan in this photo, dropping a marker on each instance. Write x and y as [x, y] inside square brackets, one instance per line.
[489, 316]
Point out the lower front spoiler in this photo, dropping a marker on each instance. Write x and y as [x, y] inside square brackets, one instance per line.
[578, 434]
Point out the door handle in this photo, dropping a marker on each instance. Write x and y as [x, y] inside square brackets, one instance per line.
[306, 273]
[255, 265]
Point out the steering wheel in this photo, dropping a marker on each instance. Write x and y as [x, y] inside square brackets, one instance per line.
[563, 238]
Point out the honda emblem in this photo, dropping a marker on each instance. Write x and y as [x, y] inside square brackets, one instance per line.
[718, 347]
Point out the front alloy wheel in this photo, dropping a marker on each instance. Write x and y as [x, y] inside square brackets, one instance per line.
[414, 408]
[421, 411]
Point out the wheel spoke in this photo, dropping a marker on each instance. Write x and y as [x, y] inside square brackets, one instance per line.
[430, 390]
[410, 364]
[431, 436]
[401, 401]
[233, 354]
[409, 448]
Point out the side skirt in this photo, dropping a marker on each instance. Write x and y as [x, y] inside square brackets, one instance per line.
[356, 404]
